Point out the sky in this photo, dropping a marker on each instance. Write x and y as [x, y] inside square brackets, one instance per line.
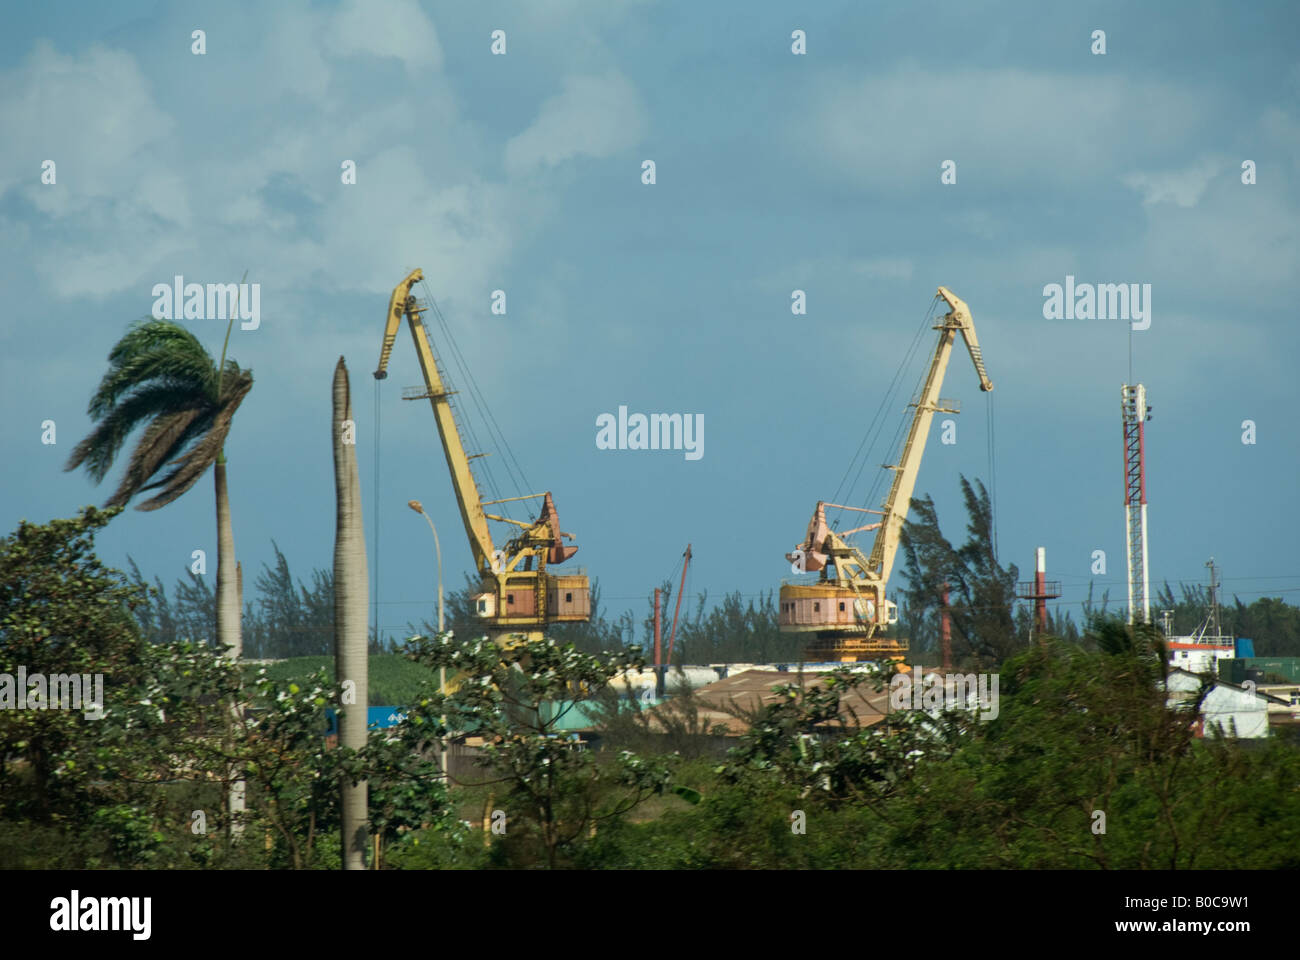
[775, 171]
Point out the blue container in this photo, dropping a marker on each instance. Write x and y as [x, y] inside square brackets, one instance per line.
[377, 718]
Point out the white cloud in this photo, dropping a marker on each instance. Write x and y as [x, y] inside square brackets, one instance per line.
[593, 116]
[1239, 241]
[385, 28]
[893, 130]
[458, 233]
[1183, 187]
[140, 195]
[93, 116]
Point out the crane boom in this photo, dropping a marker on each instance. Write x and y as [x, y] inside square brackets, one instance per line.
[957, 320]
[846, 609]
[403, 303]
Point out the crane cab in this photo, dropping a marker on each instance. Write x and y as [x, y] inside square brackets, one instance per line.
[528, 597]
[822, 606]
[844, 621]
[568, 598]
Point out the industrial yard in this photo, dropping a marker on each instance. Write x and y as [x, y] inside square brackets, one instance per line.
[636, 437]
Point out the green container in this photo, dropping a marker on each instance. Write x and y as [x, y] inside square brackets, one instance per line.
[1261, 669]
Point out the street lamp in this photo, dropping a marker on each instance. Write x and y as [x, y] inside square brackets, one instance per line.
[419, 508]
[442, 671]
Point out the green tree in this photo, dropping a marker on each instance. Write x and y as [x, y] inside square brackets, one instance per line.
[736, 630]
[1273, 624]
[806, 738]
[156, 614]
[929, 561]
[122, 790]
[287, 618]
[112, 778]
[277, 626]
[290, 619]
[982, 594]
[1089, 765]
[552, 791]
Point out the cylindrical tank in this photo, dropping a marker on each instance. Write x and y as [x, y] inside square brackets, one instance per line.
[692, 677]
[636, 683]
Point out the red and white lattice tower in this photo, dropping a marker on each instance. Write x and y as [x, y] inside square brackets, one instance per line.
[1134, 406]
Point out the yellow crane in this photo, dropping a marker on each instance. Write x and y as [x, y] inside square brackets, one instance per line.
[517, 594]
[847, 606]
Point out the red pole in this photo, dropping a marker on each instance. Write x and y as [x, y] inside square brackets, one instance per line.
[946, 632]
[657, 660]
[672, 637]
[1040, 588]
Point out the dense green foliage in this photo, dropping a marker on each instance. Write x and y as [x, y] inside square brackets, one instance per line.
[982, 593]
[1086, 764]
[137, 786]
[1080, 736]
[108, 781]
[551, 791]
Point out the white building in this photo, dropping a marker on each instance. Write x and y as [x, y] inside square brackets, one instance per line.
[1237, 711]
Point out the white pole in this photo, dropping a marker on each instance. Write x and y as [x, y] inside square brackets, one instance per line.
[1146, 580]
[442, 627]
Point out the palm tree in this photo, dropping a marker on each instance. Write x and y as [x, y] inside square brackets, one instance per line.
[161, 377]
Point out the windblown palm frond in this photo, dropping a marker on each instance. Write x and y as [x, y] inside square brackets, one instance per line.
[162, 377]
[195, 462]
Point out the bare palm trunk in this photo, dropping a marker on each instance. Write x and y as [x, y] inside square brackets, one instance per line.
[229, 630]
[351, 598]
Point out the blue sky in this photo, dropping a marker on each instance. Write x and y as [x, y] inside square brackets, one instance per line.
[775, 172]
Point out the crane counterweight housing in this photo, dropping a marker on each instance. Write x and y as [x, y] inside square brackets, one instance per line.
[517, 595]
[846, 608]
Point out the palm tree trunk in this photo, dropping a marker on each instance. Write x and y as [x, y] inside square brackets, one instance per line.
[229, 635]
[229, 631]
[351, 598]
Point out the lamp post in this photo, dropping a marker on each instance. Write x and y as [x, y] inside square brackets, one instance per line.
[442, 671]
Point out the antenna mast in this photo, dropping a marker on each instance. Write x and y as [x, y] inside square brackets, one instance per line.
[1133, 404]
[1214, 601]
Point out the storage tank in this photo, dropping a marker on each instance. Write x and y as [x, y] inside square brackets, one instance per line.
[692, 677]
[636, 683]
